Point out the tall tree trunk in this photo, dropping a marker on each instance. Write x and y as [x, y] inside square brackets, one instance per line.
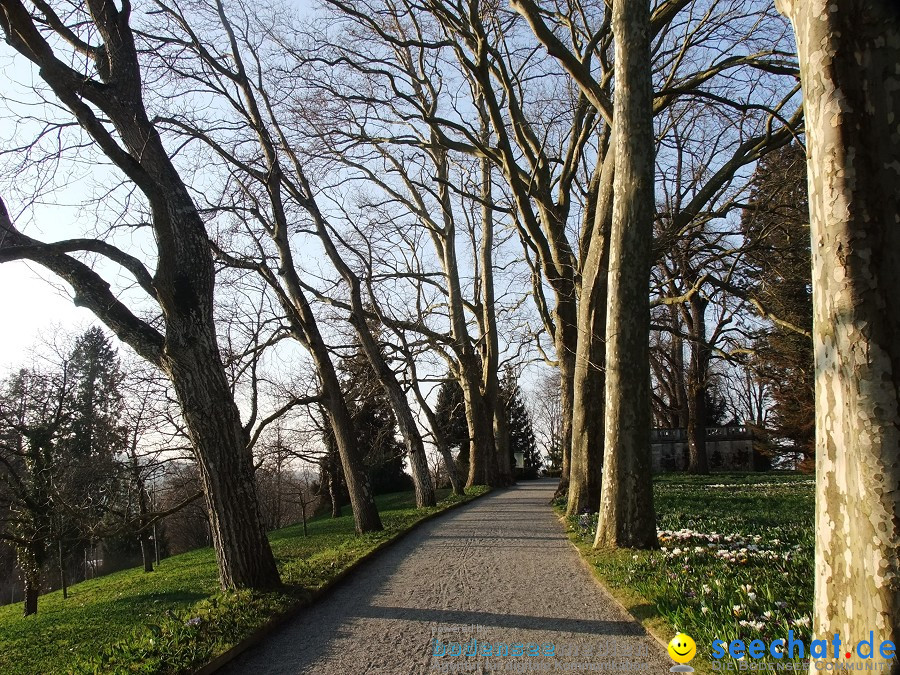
[305, 329]
[483, 468]
[566, 344]
[586, 468]
[698, 376]
[61, 562]
[627, 517]
[146, 551]
[226, 465]
[31, 559]
[490, 362]
[415, 447]
[680, 401]
[478, 382]
[849, 51]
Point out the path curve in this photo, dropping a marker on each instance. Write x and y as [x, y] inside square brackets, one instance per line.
[499, 571]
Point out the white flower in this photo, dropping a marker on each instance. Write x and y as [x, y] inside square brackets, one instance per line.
[706, 589]
[704, 609]
[802, 621]
[751, 596]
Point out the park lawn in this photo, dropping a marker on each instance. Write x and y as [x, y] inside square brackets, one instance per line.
[175, 619]
[735, 559]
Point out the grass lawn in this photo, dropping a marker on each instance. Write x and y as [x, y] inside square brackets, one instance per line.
[175, 619]
[735, 559]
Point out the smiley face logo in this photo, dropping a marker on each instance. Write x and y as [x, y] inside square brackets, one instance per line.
[682, 648]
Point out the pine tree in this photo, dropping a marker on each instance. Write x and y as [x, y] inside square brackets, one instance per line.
[521, 433]
[375, 427]
[97, 405]
[776, 225]
[450, 412]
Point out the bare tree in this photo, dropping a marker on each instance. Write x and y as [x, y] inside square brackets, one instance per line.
[105, 96]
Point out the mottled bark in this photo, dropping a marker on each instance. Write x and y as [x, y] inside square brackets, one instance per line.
[627, 517]
[849, 54]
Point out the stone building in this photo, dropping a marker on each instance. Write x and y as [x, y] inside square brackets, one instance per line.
[729, 448]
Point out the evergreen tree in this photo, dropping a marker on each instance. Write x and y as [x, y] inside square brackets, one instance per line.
[94, 367]
[776, 225]
[97, 484]
[521, 433]
[375, 426]
[450, 412]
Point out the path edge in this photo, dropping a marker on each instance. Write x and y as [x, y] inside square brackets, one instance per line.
[279, 620]
[650, 625]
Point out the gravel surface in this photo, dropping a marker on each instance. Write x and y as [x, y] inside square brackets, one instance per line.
[498, 572]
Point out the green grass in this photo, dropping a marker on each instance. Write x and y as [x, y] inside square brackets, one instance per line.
[735, 558]
[175, 618]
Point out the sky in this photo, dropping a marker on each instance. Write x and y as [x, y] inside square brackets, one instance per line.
[31, 309]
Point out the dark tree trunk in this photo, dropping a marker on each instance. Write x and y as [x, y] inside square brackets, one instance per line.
[61, 562]
[146, 552]
[226, 465]
[586, 468]
[482, 452]
[31, 559]
[566, 347]
[32, 591]
[698, 462]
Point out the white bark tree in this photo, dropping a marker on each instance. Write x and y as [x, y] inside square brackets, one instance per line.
[850, 71]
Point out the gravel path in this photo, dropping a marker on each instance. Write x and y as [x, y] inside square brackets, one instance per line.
[498, 572]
